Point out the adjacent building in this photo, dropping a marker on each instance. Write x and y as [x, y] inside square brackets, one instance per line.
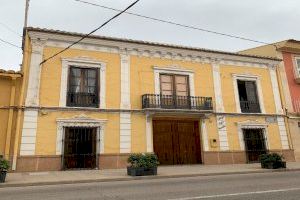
[92, 105]
[10, 82]
[289, 76]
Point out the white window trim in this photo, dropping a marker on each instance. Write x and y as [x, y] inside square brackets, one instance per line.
[84, 63]
[246, 77]
[173, 70]
[252, 125]
[296, 67]
[80, 121]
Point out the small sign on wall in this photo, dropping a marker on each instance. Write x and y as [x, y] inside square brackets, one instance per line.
[271, 119]
[299, 124]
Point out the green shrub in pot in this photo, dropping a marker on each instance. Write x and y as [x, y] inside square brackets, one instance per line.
[4, 166]
[141, 164]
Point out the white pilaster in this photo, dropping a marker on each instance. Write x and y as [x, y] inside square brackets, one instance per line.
[149, 135]
[28, 139]
[283, 133]
[204, 135]
[125, 118]
[275, 87]
[221, 120]
[125, 81]
[32, 97]
[125, 132]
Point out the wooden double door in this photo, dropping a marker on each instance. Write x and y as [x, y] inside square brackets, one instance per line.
[176, 141]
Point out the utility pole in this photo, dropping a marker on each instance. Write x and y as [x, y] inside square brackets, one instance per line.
[25, 22]
[26, 13]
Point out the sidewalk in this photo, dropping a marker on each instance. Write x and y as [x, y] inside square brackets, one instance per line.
[85, 176]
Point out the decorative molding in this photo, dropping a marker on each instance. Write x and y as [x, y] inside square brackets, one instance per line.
[34, 77]
[222, 132]
[248, 77]
[173, 70]
[148, 49]
[80, 121]
[29, 132]
[86, 62]
[250, 124]
[125, 132]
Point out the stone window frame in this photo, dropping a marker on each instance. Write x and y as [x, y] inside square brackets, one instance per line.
[297, 67]
[175, 71]
[80, 121]
[252, 125]
[82, 62]
[246, 77]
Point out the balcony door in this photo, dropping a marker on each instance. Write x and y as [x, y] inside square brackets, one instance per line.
[174, 91]
[83, 87]
[248, 96]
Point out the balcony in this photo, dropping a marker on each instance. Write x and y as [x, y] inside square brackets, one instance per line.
[156, 101]
[82, 99]
[250, 107]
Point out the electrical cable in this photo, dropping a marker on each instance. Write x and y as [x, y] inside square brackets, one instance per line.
[93, 31]
[10, 29]
[175, 23]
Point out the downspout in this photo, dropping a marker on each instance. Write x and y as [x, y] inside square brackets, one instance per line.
[279, 80]
[18, 126]
[10, 118]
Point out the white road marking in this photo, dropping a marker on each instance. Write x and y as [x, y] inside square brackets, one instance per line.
[236, 194]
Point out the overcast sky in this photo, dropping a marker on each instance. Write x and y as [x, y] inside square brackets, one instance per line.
[264, 20]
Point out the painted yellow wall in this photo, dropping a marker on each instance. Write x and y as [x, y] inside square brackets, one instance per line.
[233, 137]
[142, 82]
[6, 85]
[138, 133]
[142, 77]
[47, 130]
[51, 75]
[212, 132]
[228, 87]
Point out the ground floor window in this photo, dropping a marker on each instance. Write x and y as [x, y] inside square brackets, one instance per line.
[80, 151]
[255, 144]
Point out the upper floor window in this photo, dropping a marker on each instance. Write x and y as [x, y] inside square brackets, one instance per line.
[298, 67]
[83, 88]
[174, 91]
[248, 97]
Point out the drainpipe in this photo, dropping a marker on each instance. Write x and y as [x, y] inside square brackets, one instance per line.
[22, 90]
[10, 118]
[279, 81]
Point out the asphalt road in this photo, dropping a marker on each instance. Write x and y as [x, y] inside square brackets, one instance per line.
[273, 186]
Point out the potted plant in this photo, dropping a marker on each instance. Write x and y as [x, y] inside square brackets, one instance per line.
[142, 164]
[4, 166]
[272, 161]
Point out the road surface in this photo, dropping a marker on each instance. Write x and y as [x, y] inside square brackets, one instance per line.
[264, 186]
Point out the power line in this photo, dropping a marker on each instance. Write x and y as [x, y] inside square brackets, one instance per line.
[10, 29]
[175, 23]
[11, 44]
[93, 31]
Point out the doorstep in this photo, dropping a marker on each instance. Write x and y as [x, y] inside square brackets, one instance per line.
[87, 176]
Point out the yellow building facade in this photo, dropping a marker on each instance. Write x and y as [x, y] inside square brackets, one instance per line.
[94, 104]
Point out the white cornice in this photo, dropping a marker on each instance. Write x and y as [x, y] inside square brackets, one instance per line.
[151, 50]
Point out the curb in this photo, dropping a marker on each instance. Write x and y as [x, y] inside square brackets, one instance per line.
[8, 185]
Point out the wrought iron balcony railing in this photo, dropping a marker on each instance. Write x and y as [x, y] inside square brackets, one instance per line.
[250, 107]
[82, 99]
[176, 102]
